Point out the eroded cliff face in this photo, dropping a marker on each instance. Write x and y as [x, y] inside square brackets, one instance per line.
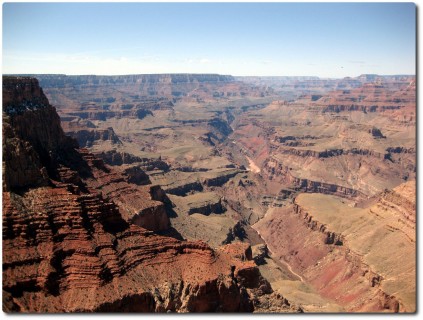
[66, 252]
[71, 242]
[115, 158]
[355, 140]
[362, 256]
[86, 138]
[222, 158]
[276, 170]
[30, 147]
[21, 94]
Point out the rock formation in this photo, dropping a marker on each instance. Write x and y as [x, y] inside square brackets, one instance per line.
[316, 175]
[348, 133]
[360, 256]
[86, 138]
[115, 158]
[67, 246]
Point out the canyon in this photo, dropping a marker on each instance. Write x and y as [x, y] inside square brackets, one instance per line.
[206, 192]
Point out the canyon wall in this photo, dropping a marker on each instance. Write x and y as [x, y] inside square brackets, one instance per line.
[361, 257]
[324, 168]
[67, 246]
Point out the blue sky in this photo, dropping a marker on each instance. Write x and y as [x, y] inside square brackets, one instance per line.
[318, 39]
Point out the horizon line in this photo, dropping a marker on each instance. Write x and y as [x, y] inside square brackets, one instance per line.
[215, 74]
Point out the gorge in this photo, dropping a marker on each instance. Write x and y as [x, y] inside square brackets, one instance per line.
[206, 192]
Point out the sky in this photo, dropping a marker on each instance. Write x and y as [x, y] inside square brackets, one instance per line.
[242, 39]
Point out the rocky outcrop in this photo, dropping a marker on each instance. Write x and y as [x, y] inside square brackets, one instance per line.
[260, 252]
[22, 94]
[219, 128]
[68, 248]
[326, 188]
[184, 188]
[136, 175]
[331, 153]
[86, 138]
[195, 183]
[329, 237]
[23, 163]
[204, 203]
[33, 139]
[276, 170]
[354, 107]
[117, 158]
[135, 202]
[402, 200]
[220, 178]
[279, 200]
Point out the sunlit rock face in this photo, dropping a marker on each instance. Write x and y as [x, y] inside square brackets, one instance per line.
[75, 235]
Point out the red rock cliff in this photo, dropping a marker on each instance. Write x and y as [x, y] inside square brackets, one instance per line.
[67, 247]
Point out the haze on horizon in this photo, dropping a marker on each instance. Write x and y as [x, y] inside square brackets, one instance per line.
[257, 39]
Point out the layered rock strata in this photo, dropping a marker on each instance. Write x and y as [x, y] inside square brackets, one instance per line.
[346, 252]
[67, 246]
